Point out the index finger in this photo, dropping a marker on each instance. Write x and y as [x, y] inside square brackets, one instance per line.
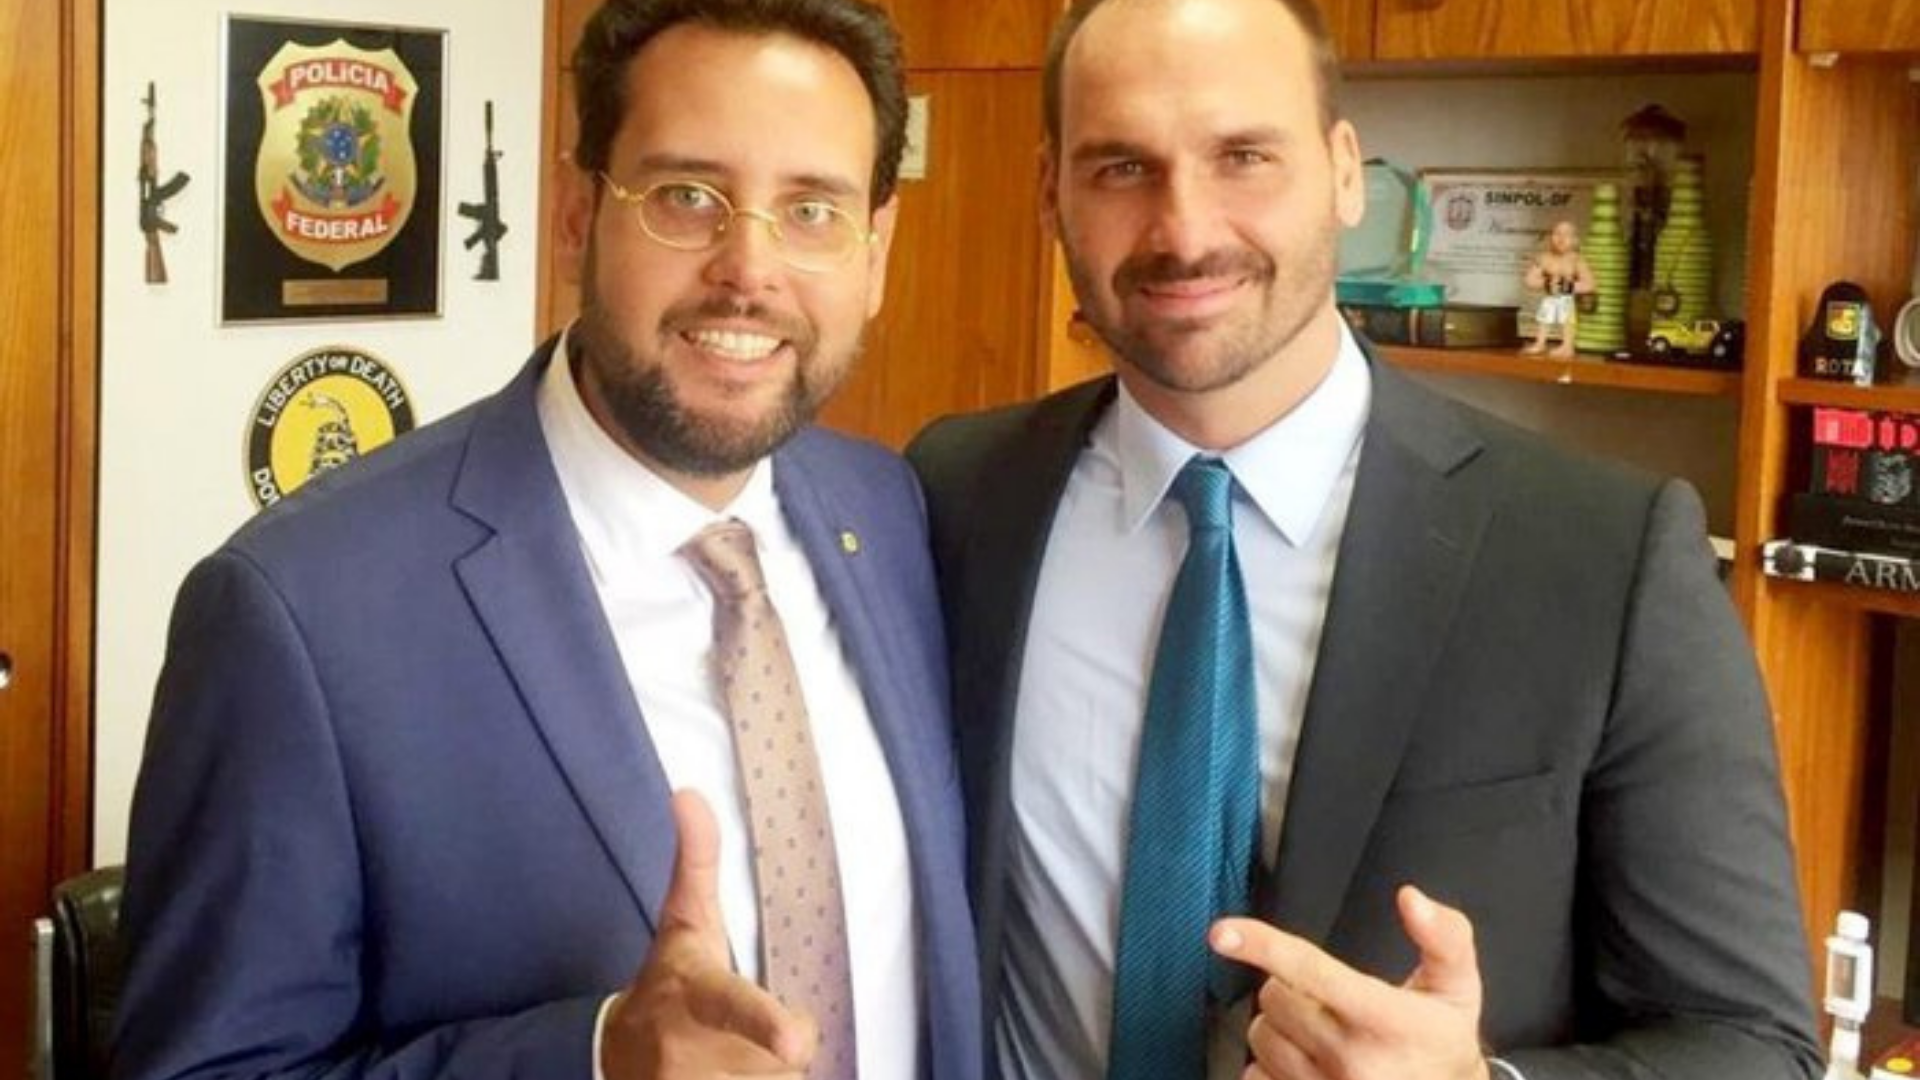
[1294, 961]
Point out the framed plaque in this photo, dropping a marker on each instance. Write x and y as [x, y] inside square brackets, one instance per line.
[332, 178]
[1489, 223]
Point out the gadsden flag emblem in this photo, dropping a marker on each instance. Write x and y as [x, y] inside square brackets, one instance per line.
[321, 411]
[335, 176]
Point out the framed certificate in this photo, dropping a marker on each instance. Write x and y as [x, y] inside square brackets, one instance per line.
[1487, 224]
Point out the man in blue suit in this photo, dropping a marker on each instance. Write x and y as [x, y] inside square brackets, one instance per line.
[408, 806]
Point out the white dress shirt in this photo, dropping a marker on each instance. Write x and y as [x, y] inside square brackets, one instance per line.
[1110, 562]
[631, 525]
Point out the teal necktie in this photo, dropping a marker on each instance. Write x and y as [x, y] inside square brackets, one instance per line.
[1196, 804]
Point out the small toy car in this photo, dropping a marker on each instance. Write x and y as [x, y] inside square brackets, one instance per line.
[1667, 336]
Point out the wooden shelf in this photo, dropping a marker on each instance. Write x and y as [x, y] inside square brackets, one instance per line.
[1903, 396]
[1885, 1027]
[1579, 371]
[1857, 598]
[1545, 67]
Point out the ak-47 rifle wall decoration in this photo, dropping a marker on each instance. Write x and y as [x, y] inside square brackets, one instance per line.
[154, 194]
[488, 229]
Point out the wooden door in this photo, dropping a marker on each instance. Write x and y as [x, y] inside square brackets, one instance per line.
[1485, 29]
[1859, 26]
[558, 301]
[45, 471]
[964, 288]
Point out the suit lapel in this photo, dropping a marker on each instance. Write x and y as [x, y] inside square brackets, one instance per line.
[1411, 534]
[530, 588]
[993, 602]
[823, 526]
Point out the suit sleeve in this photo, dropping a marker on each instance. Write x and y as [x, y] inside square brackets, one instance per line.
[1698, 958]
[945, 457]
[243, 913]
[931, 455]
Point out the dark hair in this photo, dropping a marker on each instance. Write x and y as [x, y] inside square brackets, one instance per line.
[857, 30]
[1326, 58]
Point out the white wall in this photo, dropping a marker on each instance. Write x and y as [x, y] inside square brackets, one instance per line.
[177, 389]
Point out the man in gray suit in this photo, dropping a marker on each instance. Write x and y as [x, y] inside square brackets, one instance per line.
[1449, 736]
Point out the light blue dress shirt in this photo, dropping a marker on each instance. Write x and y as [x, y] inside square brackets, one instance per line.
[1110, 562]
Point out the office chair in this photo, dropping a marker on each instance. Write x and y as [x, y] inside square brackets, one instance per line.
[77, 970]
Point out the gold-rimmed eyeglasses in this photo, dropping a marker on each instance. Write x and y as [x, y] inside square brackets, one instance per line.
[809, 233]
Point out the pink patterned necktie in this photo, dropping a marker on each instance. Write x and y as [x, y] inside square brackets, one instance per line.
[803, 928]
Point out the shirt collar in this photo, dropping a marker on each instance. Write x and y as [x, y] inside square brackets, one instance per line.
[623, 509]
[1287, 470]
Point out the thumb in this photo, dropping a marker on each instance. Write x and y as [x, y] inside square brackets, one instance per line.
[693, 896]
[1449, 964]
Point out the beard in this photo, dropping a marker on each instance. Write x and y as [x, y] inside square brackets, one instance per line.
[1192, 355]
[640, 396]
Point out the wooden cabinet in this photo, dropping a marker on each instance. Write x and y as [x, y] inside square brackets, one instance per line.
[1833, 167]
[942, 35]
[1860, 26]
[48, 261]
[1492, 29]
[963, 295]
[1351, 23]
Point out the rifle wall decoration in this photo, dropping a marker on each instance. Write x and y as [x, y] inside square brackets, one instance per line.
[153, 193]
[488, 229]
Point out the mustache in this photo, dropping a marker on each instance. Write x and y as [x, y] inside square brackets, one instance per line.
[1163, 269]
[738, 309]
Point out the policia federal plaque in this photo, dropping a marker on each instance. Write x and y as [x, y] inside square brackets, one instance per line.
[332, 203]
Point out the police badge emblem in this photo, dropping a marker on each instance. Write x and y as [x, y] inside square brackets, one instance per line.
[335, 176]
[333, 187]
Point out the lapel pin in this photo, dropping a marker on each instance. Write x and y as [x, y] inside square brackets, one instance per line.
[849, 542]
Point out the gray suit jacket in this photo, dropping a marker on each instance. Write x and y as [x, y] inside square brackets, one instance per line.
[1532, 698]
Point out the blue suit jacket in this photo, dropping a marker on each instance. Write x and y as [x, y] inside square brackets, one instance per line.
[399, 815]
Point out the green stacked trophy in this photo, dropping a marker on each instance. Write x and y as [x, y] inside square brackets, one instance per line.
[1683, 255]
[1602, 327]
